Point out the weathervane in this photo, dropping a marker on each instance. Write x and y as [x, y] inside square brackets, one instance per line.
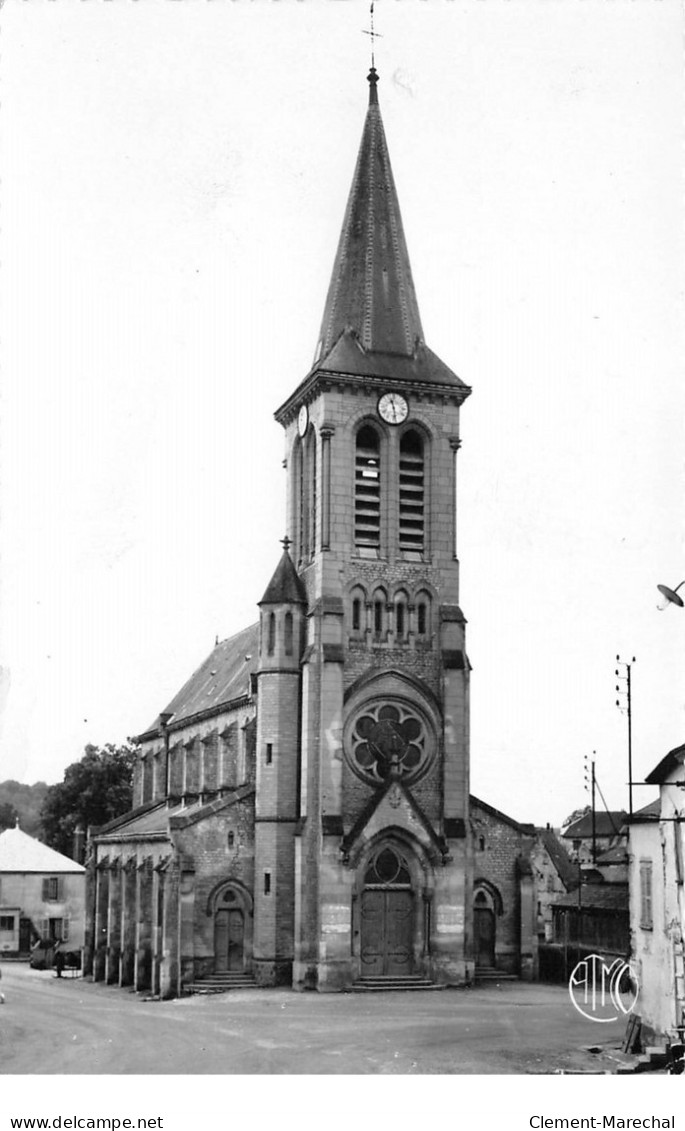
[374, 35]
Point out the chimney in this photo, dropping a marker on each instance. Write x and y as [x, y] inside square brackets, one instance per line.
[79, 844]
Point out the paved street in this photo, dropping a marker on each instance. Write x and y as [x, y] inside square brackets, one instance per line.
[71, 1026]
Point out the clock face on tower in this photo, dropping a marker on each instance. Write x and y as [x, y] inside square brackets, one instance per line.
[393, 408]
[302, 420]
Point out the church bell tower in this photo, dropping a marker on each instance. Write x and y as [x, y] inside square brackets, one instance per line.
[381, 860]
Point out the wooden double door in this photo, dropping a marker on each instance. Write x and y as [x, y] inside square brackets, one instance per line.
[484, 936]
[229, 940]
[387, 932]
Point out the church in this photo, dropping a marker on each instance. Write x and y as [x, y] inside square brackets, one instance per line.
[302, 813]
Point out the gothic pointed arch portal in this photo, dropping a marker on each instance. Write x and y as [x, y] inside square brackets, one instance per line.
[484, 927]
[388, 914]
[229, 931]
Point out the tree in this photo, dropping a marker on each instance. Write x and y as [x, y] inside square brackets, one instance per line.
[94, 791]
[26, 802]
[575, 816]
[8, 815]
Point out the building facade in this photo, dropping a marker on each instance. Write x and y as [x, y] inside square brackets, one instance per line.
[302, 806]
[657, 901]
[42, 896]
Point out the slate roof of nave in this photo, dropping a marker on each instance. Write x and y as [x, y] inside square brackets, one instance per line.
[222, 678]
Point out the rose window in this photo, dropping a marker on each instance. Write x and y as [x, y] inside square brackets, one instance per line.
[389, 739]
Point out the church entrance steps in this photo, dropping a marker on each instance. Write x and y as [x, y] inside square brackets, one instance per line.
[486, 974]
[221, 983]
[401, 982]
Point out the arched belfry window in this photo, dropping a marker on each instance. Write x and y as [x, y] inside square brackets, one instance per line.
[412, 525]
[367, 490]
[271, 637]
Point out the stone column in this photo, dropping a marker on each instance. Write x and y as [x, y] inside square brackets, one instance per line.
[529, 936]
[455, 444]
[91, 896]
[169, 968]
[326, 433]
[128, 922]
[143, 955]
[113, 923]
[101, 905]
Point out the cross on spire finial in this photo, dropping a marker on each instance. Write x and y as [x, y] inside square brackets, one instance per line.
[374, 36]
[286, 543]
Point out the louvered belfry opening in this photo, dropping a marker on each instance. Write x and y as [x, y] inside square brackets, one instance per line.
[411, 493]
[367, 490]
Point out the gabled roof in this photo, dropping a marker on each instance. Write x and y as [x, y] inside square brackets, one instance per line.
[616, 855]
[665, 767]
[285, 586]
[476, 802]
[650, 812]
[566, 869]
[606, 824]
[20, 852]
[223, 677]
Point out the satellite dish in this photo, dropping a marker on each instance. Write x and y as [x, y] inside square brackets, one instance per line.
[670, 596]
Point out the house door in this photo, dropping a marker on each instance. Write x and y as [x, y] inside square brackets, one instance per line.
[25, 936]
[387, 917]
[229, 931]
[484, 936]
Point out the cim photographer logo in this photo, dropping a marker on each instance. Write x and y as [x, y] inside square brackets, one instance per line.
[601, 990]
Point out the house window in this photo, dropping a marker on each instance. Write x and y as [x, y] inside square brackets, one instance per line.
[6, 922]
[367, 490]
[231, 839]
[267, 883]
[53, 930]
[51, 889]
[269, 753]
[646, 919]
[411, 494]
[481, 844]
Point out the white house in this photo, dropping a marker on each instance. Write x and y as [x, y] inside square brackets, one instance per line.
[42, 895]
[657, 900]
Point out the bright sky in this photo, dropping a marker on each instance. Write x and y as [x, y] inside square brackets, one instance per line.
[174, 180]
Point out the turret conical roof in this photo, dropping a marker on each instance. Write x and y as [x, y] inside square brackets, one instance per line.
[285, 586]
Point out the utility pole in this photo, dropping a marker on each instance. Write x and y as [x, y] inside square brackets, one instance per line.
[627, 709]
[589, 775]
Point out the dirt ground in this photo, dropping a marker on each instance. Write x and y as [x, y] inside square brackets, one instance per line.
[66, 1026]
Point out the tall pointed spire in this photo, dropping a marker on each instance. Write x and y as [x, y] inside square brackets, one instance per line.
[371, 292]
